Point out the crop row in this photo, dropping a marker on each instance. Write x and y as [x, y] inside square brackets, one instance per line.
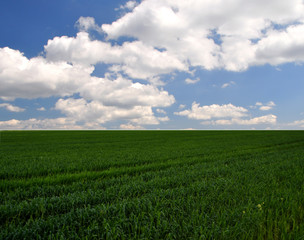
[152, 185]
[178, 211]
[46, 156]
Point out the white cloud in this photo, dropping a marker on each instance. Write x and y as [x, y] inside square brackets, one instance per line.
[271, 104]
[233, 34]
[297, 123]
[85, 24]
[212, 111]
[94, 111]
[11, 108]
[156, 81]
[163, 119]
[136, 59]
[181, 106]
[108, 99]
[228, 84]
[267, 119]
[225, 115]
[225, 85]
[171, 35]
[125, 93]
[41, 109]
[130, 127]
[21, 77]
[162, 111]
[265, 107]
[192, 81]
[128, 6]
[281, 46]
[33, 123]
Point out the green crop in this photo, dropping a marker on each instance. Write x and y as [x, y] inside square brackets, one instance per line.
[152, 185]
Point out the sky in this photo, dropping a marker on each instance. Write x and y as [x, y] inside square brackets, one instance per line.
[152, 64]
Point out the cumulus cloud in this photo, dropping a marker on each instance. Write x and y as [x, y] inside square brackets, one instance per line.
[227, 114]
[11, 108]
[167, 36]
[21, 77]
[267, 119]
[125, 93]
[233, 34]
[281, 46]
[104, 99]
[33, 123]
[94, 111]
[212, 111]
[136, 59]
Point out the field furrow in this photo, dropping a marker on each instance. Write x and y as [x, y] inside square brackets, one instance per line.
[152, 185]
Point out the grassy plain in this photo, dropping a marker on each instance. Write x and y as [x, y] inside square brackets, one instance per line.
[152, 185]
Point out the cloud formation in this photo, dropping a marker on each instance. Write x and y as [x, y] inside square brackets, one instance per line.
[33, 123]
[227, 114]
[21, 77]
[165, 36]
[213, 111]
[95, 112]
[267, 119]
[130, 127]
[192, 81]
[101, 99]
[297, 123]
[225, 85]
[41, 109]
[84, 24]
[136, 59]
[265, 107]
[128, 6]
[11, 108]
[233, 34]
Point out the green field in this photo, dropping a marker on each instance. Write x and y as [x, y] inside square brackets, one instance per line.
[152, 185]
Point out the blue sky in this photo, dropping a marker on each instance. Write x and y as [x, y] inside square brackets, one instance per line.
[153, 64]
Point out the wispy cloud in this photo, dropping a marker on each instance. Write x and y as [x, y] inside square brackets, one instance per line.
[11, 108]
[181, 106]
[41, 109]
[162, 111]
[228, 84]
[131, 127]
[265, 107]
[268, 119]
[192, 81]
[128, 6]
[297, 123]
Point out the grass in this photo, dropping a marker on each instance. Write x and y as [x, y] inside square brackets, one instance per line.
[152, 185]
